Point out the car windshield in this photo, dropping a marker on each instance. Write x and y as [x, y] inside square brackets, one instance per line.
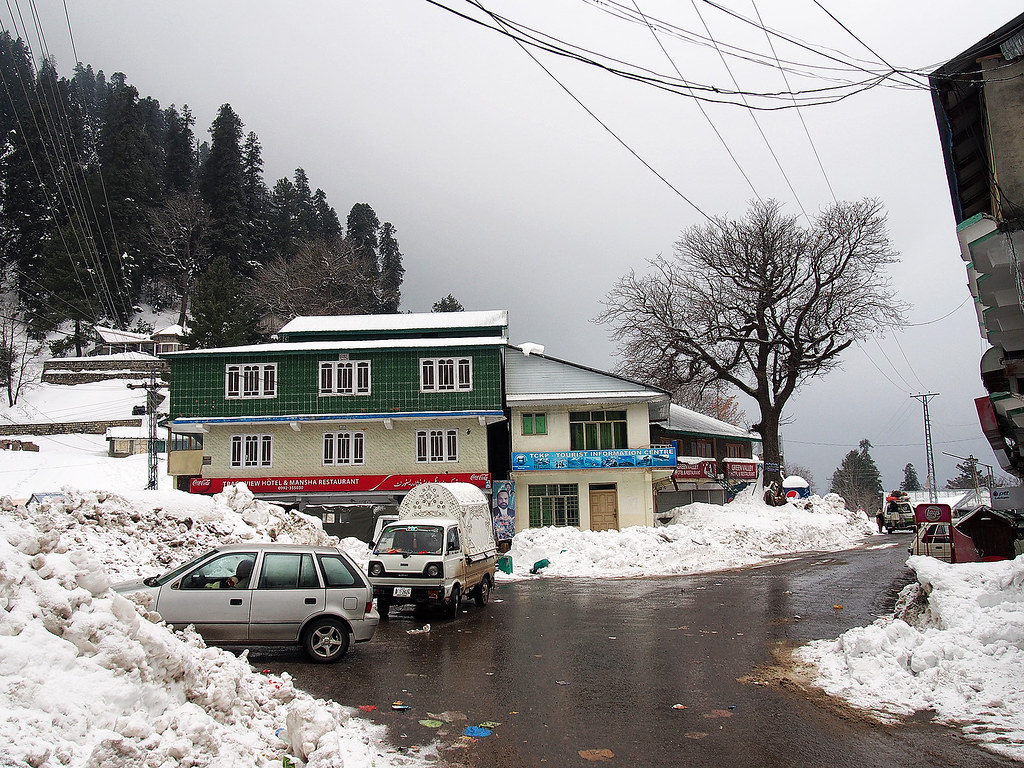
[164, 578]
[410, 540]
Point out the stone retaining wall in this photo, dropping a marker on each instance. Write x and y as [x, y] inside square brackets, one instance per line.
[82, 370]
[68, 427]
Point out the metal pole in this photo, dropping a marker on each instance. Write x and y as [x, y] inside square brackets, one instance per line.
[924, 398]
[153, 458]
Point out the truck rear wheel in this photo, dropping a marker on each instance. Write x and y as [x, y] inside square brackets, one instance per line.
[483, 592]
[454, 603]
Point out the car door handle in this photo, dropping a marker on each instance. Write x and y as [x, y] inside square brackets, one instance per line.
[310, 601]
[236, 601]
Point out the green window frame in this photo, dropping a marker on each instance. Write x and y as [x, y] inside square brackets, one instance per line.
[555, 504]
[597, 430]
[535, 424]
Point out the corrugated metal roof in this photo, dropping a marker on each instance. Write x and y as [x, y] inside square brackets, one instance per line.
[537, 377]
[117, 336]
[682, 419]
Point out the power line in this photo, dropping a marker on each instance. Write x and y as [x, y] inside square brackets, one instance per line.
[771, 150]
[712, 94]
[701, 108]
[800, 114]
[602, 123]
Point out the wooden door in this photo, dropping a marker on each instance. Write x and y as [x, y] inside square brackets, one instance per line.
[604, 510]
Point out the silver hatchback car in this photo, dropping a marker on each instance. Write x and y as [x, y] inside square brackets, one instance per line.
[268, 594]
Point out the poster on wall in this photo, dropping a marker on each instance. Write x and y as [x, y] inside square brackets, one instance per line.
[503, 510]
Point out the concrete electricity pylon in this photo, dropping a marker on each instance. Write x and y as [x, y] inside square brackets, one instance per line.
[924, 398]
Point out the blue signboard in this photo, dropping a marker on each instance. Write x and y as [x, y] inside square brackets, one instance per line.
[629, 458]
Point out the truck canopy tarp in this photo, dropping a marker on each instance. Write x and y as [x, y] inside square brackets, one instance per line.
[460, 501]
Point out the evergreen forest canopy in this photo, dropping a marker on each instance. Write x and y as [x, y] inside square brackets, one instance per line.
[108, 200]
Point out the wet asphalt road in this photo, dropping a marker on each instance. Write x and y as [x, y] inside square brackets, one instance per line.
[570, 664]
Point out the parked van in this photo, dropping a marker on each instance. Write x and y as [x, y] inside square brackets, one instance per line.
[898, 514]
[439, 550]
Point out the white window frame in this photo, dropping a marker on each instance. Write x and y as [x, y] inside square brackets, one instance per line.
[344, 449]
[250, 381]
[446, 374]
[344, 377]
[249, 451]
[437, 446]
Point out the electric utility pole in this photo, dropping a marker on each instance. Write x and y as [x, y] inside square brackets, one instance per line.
[924, 398]
[153, 399]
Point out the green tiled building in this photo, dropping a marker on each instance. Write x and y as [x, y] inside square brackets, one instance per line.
[341, 409]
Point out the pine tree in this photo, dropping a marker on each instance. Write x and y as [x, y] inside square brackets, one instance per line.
[391, 269]
[222, 185]
[969, 476]
[858, 480]
[257, 199]
[180, 159]
[911, 482]
[285, 231]
[328, 225]
[221, 315]
[448, 304]
[361, 231]
[306, 217]
[127, 190]
[27, 184]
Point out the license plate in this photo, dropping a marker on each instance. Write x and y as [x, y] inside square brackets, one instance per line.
[403, 591]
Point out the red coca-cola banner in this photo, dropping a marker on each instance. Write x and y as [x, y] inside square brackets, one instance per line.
[356, 483]
[700, 470]
[740, 470]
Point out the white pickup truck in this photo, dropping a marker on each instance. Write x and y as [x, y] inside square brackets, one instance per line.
[439, 550]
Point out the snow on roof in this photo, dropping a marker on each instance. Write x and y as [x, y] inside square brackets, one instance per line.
[171, 330]
[127, 433]
[407, 322]
[116, 336]
[682, 419]
[531, 375]
[343, 346]
[56, 361]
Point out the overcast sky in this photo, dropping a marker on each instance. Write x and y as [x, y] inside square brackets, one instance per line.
[508, 194]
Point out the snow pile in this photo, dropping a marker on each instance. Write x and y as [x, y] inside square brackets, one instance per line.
[147, 532]
[955, 647]
[699, 537]
[90, 680]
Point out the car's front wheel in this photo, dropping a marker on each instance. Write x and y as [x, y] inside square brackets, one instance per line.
[454, 603]
[326, 640]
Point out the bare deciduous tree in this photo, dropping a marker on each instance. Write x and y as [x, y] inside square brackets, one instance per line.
[320, 279]
[761, 303]
[18, 351]
[177, 231]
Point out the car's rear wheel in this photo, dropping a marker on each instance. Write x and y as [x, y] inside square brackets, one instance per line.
[483, 592]
[326, 640]
[454, 603]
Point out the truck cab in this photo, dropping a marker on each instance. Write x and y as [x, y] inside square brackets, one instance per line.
[440, 550]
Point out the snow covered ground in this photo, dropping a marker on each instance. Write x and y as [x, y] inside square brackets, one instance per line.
[87, 678]
[955, 647]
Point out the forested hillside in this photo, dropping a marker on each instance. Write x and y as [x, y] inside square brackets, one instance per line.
[108, 199]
